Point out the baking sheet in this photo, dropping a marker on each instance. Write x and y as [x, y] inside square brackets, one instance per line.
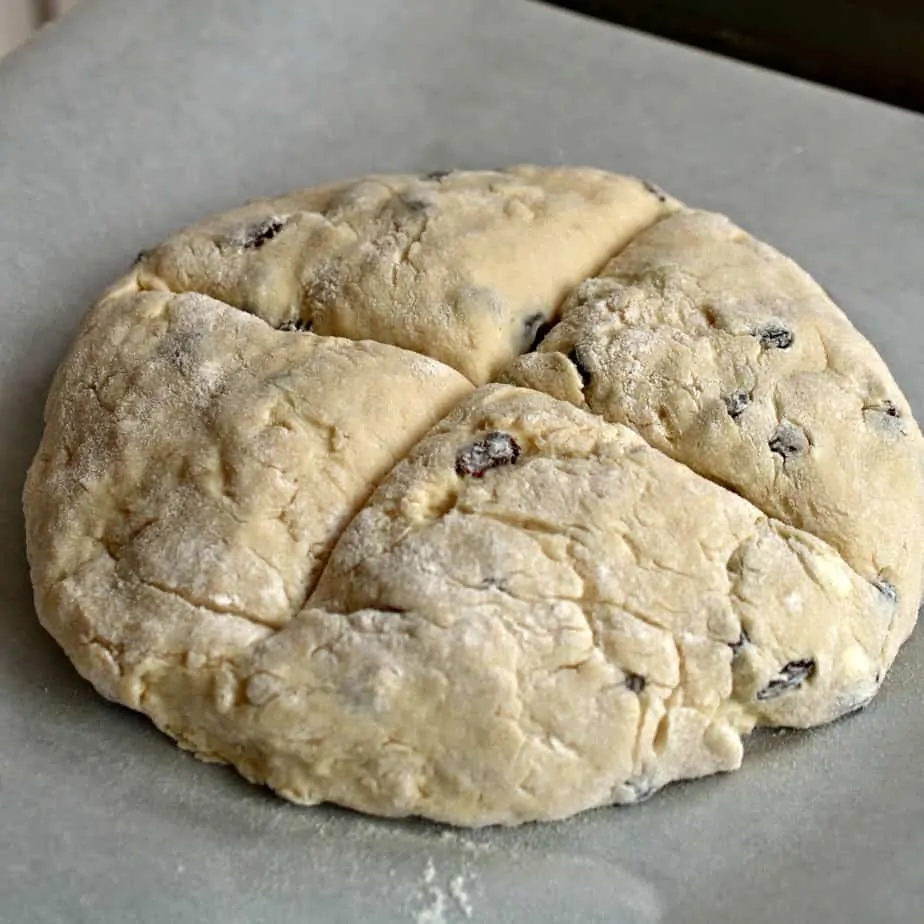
[126, 121]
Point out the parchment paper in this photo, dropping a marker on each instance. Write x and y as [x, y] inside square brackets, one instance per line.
[126, 121]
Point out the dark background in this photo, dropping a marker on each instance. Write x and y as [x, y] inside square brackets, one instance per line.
[871, 47]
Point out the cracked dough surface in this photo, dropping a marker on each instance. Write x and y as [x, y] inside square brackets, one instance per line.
[487, 497]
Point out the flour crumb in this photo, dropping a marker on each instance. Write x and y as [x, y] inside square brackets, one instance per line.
[433, 912]
[434, 898]
[460, 896]
[438, 905]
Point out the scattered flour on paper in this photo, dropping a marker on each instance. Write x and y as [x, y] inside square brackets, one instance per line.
[460, 896]
[437, 908]
[434, 896]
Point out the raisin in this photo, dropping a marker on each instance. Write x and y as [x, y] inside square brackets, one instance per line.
[774, 336]
[415, 205]
[493, 450]
[493, 583]
[743, 639]
[655, 190]
[889, 409]
[635, 682]
[437, 175]
[535, 329]
[255, 237]
[887, 589]
[541, 333]
[791, 676]
[582, 370]
[710, 316]
[886, 416]
[142, 255]
[787, 441]
[736, 403]
[299, 324]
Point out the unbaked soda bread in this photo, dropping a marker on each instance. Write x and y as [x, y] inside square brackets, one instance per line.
[488, 497]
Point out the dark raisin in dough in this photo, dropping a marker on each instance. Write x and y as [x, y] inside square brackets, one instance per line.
[493, 450]
[791, 676]
[578, 364]
[736, 403]
[635, 682]
[889, 409]
[493, 582]
[541, 333]
[655, 190]
[887, 589]
[535, 329]
[298, 324]
[787, 441]
[437, 175]
[775, 337]
[886, 417]
[886, 408]
[259, 234]
[743, 639]
[413, 204]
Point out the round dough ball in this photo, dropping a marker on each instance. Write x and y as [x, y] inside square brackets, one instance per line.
[280, 507]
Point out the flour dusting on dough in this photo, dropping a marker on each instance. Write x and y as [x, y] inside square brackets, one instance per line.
[314, 496]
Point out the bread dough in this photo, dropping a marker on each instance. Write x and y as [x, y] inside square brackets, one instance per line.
[725, 355]
[198, 468]
[466, 267]
[279, 507]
